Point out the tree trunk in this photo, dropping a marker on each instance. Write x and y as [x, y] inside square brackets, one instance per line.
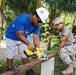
[49, 41]
[73, 23]
[0, 27]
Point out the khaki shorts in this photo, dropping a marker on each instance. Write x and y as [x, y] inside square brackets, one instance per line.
[11, 46]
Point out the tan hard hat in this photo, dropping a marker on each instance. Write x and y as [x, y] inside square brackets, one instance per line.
[57, 21]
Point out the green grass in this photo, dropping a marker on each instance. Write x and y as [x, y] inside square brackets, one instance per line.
[3, 65]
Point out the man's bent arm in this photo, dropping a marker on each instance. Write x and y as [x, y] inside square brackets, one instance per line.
[63, 41]
[36, 40]
[22, 38]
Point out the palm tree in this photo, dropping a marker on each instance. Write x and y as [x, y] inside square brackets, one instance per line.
[56, 8]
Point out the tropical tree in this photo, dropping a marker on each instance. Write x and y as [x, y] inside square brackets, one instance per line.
[56, 8]
[16, 7]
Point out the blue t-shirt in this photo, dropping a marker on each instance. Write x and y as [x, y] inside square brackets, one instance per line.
[21, 23]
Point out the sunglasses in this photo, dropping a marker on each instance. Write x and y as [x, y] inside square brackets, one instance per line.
[39, 20]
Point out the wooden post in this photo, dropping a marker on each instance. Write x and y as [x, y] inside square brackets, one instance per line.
[25, 67]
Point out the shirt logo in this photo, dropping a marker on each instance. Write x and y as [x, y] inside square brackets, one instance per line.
[13, 25]
[26, 33]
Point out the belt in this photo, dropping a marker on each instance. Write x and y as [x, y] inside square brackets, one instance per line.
[74, 42]
[71, 44]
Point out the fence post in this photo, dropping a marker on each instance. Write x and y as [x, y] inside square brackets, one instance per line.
[47, 67]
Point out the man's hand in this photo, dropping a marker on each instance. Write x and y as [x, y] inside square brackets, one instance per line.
[58, 52]
[55, 51]
[31, 47]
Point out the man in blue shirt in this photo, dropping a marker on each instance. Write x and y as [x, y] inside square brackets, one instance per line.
[19, 29]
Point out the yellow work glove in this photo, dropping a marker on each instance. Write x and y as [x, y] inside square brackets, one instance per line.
[31, 47]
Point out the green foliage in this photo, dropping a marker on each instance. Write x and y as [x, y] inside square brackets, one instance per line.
[56, 40]
[3, 65]
[17, 62]
[59, 66]
[53, 48]
[55, 32]
[74, 30]
[14, 8]
[21, 6]
[45, 40]
[44, 30]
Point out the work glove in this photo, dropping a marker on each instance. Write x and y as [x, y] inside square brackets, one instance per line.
[57, 52]
[31, 47]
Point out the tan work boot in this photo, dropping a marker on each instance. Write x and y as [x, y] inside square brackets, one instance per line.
[68, 71]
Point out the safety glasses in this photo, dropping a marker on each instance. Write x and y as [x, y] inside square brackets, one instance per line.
[58, 24]
[38, 19]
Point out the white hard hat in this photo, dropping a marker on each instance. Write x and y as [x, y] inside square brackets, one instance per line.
[42, 13]
[57, 21]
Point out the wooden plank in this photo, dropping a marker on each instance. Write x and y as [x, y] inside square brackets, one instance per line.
[25, 67]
